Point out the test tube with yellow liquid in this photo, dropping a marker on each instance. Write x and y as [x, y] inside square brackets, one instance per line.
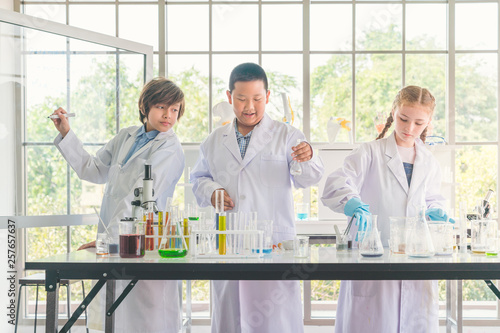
[185, 229]
[219, 209]
[160, 227]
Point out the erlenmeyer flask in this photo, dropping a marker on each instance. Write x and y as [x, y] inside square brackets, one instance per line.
[173, 243]
[371, 245]
[419, 241]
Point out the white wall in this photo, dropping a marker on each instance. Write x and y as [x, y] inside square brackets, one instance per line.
[7, 4]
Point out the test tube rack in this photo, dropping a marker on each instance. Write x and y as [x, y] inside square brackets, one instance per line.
[240, 244]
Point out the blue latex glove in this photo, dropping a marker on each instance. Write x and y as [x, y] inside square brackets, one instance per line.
[437, 214]
[360, 211]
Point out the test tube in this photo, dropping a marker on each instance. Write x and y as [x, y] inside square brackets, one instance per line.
[463, 228]
[160, 227]
[185, 227]
[219, 209]
[251, 241]
[172, 223]
[231, 238]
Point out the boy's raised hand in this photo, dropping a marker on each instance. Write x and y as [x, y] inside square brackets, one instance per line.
[302, 152]
[228, 202]
[61, 123]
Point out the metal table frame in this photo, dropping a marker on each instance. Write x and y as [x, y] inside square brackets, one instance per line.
[328, 265]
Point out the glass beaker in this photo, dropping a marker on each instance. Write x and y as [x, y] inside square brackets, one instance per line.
[301, 247]
[102, 244]
[302, 211]
[481, 231]
[398, 229]
[442, 238]
[266, 226]
[132, 238]
[371, 245]
[492, 247]
[419, 241]
[341, 242]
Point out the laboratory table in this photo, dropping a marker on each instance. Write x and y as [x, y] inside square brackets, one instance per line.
[322, 264]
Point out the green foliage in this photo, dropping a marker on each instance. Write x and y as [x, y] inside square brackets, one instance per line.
[476, 172]
[193, 126]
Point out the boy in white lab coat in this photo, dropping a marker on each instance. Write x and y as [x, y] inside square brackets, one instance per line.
[250, 159]
[390, 177]
[151, 305]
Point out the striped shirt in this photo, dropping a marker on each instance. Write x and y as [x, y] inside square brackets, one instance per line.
[243, 141]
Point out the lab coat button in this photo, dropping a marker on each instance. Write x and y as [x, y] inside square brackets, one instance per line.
[242, 197]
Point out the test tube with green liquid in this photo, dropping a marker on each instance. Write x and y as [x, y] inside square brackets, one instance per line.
[219, 209]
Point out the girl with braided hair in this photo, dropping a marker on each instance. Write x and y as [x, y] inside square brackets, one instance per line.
[390, 177]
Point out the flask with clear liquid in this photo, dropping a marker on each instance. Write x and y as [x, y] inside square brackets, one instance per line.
[371, 245]
[419, 241]
[295, 168]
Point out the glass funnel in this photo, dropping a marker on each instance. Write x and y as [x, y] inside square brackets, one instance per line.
[371, 245]
[419, 241]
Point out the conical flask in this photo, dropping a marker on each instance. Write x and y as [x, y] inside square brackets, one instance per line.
[371, 245]
[173, 243]
[419, 241]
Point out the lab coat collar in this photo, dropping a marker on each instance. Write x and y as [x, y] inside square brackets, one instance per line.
[261, 136]
[230, 142]
[395, 164]
[132, 135]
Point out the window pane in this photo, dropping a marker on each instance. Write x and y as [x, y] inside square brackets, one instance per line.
[187, 28]
[378, 80]
[324, 296]
[56, 13]
[331, 27]
[331, 93]
[45, 92]
[190, 72]
[378, 27]
[228, 32]
[476, 98]
[284, 74]
[103, 18]
[426, 26]
[436, 83]
[476, 170]
[141, 33]
[46, 181]
[282, 27]
[200, 298]
[131, 83]
[85, 195]
[93, 97]
[476, 26]
[45, 242]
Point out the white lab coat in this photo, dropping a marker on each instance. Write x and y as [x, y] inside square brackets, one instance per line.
[375, 174]
[260, 182]
[152, 306]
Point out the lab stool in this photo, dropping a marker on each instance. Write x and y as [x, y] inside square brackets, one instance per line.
[39, 280]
